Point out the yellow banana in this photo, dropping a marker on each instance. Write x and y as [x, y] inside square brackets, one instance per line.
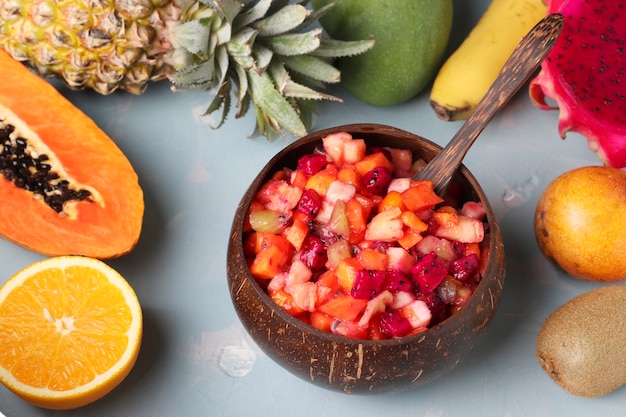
[466, 75]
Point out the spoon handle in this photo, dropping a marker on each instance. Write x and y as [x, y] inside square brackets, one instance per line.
[522, 63]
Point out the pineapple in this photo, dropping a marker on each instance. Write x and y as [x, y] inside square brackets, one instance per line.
[268, 53]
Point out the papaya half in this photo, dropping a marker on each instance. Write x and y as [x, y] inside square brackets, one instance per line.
[65, 187]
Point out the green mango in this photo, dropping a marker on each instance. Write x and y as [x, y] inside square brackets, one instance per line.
[411, 39]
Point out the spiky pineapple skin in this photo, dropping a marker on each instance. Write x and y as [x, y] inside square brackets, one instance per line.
[248, 47]
[98, 44]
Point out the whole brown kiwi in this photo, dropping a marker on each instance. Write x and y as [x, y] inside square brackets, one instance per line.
[580, 223]
[582, 344]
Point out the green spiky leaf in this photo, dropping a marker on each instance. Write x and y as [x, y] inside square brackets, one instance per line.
[254, 13]
[263, 49]
[241, 44]
[313, 67]
[285, 20]
[295, 43]
[267, 98]
[331, 48]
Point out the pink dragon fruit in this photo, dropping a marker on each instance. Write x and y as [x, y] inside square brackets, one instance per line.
[584, 75]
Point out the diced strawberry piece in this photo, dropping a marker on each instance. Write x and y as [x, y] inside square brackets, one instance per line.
[377, 180]
[467, 230]
[393, 324]
[428, 273]
[367, 284]
[464, 267]
[310, 203]
[397, 281]
[313, 252]
[334, 146]
[311, 164]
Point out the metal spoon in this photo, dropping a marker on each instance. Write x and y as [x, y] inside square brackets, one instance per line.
[522, 63]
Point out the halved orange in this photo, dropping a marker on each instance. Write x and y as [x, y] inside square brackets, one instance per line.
[70, 331]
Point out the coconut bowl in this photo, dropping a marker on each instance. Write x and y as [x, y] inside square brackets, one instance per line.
[354, 366]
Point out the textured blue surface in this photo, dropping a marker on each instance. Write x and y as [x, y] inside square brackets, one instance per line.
[196, 359]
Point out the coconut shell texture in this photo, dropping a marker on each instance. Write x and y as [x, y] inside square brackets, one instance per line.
[363, 366]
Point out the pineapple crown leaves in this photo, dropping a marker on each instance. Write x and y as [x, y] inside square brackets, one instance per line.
[269, 53]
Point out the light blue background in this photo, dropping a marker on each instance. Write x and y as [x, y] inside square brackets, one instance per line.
[193, 177]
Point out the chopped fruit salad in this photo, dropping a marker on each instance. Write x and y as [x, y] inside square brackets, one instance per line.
[349, 243]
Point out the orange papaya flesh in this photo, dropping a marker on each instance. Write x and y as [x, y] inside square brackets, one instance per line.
[101, 215]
